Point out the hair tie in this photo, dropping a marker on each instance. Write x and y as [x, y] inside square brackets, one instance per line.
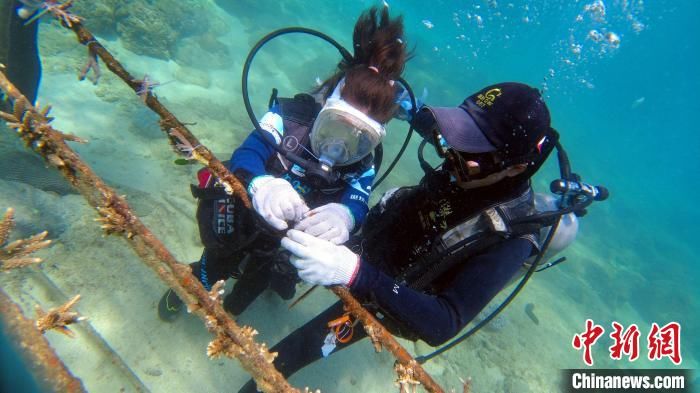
[373, 68]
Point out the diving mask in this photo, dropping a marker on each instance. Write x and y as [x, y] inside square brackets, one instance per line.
[465, 166]
[342, 134]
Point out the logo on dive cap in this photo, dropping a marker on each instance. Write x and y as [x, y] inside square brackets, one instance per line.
[488, 98]
[541, 143]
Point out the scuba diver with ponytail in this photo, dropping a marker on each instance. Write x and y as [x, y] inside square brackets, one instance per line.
[337, 129]
[430, 257]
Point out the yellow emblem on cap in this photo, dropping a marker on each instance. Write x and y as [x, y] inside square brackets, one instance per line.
[488, 98]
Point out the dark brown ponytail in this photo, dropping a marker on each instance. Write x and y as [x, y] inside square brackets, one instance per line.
[379, 58]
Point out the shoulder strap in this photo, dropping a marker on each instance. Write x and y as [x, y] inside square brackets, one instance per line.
[298, 114]
[464, 240]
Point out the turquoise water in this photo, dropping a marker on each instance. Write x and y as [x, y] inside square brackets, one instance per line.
[626, 117]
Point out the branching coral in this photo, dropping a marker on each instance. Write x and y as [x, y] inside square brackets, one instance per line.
[223, 345]
[93, 65]
[113, 222]
[146, 86]
[182, 145]
[46, 366]
[15, 254]
[406, 380]
[58, 318]
[217, 291]
[23, 120]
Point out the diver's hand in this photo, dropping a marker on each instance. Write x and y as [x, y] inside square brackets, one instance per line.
[332, 221]
[320, 261]
[276, 201]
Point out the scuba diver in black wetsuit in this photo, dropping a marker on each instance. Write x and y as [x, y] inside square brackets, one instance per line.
[339, 128]
[432, 256]
[18, 49]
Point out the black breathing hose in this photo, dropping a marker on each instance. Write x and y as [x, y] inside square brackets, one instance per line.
[504, 304]
[246, 70]
[408, 136]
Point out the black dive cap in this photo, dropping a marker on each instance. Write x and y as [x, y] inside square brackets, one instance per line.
[510, 118]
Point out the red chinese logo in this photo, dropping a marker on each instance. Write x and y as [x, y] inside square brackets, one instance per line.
[625, 343]
[665, 342]
[586, 340]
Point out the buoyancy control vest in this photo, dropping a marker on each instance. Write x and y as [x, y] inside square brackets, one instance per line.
[431, 238]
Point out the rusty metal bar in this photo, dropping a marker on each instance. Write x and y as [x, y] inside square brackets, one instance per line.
[33, 127]
[179, 134]
[45, 365]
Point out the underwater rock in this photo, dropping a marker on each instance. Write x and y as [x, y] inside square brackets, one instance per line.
[144, 30]
[150, 28]
[154, 28]
[203, 51]
[99, 15]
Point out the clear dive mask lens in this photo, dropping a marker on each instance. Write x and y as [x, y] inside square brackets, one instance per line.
[343, 135]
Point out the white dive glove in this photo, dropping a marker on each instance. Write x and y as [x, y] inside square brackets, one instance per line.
[276, 201]
[332, 221]
[320, 261]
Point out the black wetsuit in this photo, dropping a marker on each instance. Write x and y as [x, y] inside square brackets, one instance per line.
[18, 51]
[398, 233]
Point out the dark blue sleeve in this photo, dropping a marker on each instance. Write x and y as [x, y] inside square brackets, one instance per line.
[438, 318]
[252, 155]
[356, 195]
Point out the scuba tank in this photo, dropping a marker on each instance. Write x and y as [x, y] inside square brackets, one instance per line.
[563, 236]
[565, 233]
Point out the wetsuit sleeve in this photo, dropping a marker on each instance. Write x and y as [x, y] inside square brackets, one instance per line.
[438, 318]
[249, 159]
[356, 195]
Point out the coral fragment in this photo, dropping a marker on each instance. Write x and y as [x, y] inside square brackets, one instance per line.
[222, 345]
[15, 254]
[406, 380]
[58, 318]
